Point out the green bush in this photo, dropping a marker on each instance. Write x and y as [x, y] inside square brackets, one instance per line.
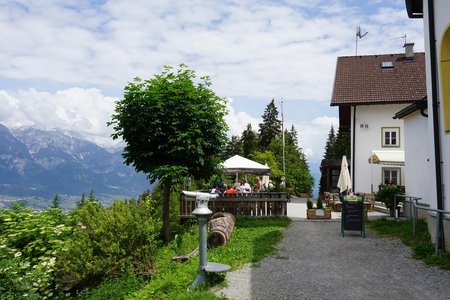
[30, 242]
[107, 242]
[319, 204]
[309, 204]
[386, 195]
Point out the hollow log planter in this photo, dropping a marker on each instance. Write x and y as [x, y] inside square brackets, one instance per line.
[221, 227]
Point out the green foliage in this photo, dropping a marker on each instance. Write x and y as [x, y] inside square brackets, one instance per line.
[269, 158]
[249, 141]
[234, 147]
[30, 242]
[270, 128]
[319, 204]
[55, 203]
[386, 195]
[298, 176]
[114, 288]
[173, 127]
[107, 242]
[420, 243]
[309, 204]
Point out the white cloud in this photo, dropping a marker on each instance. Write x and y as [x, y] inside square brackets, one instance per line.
[238, 121]
[85, 111]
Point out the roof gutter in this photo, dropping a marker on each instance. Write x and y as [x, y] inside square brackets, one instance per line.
[435, 106]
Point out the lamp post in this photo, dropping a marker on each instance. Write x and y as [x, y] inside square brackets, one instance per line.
[202, 212]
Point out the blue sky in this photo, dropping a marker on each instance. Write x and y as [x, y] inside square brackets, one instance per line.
[64, 63]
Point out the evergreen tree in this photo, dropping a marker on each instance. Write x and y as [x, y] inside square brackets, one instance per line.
[291, 136]
[329, 146]
[55, 201]
[342, 145]
[249, 141]
[270, 128]
[233, 147]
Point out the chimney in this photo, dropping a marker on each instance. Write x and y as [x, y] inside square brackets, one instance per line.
[409, 50]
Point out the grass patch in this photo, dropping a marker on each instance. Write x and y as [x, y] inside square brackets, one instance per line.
[420, 243]
[252, 239]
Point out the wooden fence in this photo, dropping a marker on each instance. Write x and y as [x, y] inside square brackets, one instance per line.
[247, 204]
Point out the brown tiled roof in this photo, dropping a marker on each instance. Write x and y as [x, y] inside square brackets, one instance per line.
[361, 80]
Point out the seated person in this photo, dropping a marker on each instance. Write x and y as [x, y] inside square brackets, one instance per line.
[230, 190]
[214, 190]
[245, 187]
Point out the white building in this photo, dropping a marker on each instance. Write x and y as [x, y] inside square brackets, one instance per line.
[369, 90]
[436, 20]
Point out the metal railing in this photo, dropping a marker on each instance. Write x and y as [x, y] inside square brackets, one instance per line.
[413, 213]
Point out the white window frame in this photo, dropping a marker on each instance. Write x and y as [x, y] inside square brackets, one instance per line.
[390, 131]
[383, 177]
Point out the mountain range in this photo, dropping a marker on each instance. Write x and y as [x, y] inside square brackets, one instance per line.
[37, 164]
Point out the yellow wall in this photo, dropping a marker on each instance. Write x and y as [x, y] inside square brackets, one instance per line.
[445, 78]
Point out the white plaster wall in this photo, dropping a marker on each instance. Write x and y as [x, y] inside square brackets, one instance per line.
[368, 176]
[417, 179]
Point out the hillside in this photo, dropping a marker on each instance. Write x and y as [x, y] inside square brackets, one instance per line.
[37, 164]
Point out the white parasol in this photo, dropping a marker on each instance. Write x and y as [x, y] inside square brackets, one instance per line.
[344, 182]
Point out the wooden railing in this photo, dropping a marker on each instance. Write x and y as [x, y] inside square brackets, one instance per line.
[247, 204]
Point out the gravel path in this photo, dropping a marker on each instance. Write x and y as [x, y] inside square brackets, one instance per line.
[314, 261]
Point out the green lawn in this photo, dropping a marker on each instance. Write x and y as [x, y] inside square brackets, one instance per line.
[252, 239]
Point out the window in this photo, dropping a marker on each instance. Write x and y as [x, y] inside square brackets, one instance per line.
[391, 175]
[390, 136]
[387, 64]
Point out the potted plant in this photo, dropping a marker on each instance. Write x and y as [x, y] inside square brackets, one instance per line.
[386, 195]
[319, 212]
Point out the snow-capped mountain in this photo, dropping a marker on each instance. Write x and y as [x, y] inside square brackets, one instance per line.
[42, 163]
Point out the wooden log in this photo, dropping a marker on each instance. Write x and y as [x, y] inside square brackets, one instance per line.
[221, 227]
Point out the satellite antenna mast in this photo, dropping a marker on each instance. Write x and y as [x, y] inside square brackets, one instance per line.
[359, 35]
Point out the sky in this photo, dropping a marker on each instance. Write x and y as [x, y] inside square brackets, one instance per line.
[63, 64]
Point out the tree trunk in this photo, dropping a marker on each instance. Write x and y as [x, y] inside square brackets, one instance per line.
[165, 212]
[222, 225]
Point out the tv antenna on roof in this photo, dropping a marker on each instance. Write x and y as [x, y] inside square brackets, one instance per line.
[359, 35]
[401, 37]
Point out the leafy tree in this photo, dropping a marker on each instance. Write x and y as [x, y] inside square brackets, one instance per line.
[249, 141]
[298, 176]
[268, 157]
[234, 147]
[270, 128]
[172, 128]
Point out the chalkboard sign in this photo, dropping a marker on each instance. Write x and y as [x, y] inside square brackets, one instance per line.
[352, 216]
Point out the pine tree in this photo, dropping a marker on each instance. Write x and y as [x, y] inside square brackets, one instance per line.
[249, 141]
[270, 128]
[342, 145]
[329, 146]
